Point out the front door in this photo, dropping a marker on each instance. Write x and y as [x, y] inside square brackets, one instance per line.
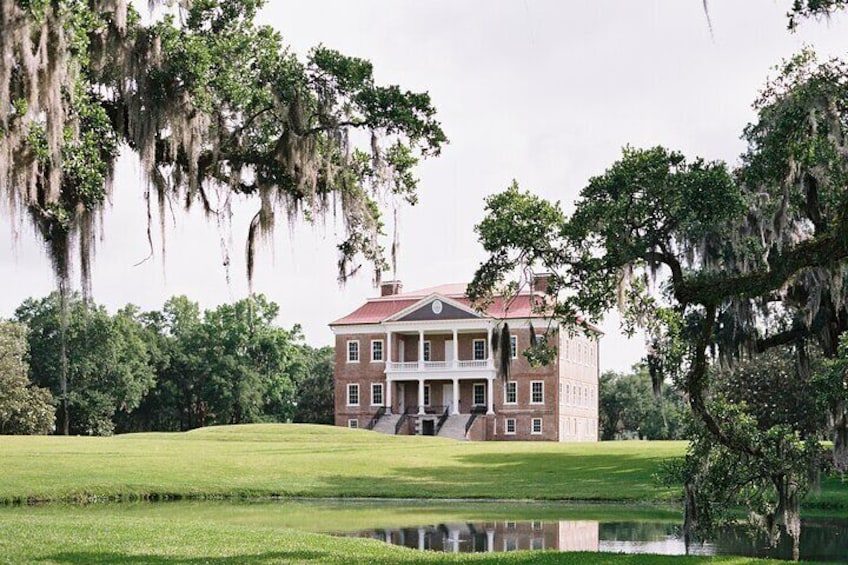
[401, 398]
[449, 352]
[447, 396]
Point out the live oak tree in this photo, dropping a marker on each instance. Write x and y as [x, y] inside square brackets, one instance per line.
[717, 266]
[213, 105]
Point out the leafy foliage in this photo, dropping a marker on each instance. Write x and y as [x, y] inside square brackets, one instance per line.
[24, 409]
[629, 409]
[314, 386]
[107, 361]
[214, 106]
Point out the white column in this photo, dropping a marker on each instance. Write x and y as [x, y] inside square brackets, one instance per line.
[490, 396]
[490, 360]
[490, 541]
[388, 395]
[455, 409]
[420, 350]
[455, 348]
[421, 396]
[420, 539]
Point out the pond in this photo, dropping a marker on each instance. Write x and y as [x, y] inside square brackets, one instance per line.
[51, 532]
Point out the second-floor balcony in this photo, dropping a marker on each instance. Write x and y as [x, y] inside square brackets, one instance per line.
[459, 369]
[436, 366]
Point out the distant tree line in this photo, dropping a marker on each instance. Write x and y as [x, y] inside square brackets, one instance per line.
[629, 409]
[175, 369]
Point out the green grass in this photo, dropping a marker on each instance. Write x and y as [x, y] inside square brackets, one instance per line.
[231, 533]
[322, 461]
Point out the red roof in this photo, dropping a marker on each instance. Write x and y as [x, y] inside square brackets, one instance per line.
[380, 308]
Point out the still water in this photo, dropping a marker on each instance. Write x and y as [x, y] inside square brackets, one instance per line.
[822, 540]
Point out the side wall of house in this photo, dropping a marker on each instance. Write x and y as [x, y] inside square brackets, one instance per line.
[578, 384]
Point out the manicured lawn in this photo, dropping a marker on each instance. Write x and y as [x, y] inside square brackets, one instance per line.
[323, 461]
[226, 533]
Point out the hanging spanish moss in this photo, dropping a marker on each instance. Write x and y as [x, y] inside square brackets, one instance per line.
[215, 108]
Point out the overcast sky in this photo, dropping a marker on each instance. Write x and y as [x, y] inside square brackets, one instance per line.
[546, 93]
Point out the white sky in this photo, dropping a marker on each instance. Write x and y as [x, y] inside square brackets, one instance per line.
[546, 92]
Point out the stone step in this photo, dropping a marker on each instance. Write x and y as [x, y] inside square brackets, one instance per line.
[386, 424]
[454, 426]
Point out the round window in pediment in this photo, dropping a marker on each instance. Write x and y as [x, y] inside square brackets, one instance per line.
[437, 307]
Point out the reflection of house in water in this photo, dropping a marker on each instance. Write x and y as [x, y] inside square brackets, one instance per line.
[480, 537]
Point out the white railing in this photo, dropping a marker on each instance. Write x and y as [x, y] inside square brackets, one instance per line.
[403, 367]
[414, 366]
[479, 364]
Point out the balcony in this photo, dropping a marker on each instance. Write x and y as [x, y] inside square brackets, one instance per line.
[462, 368]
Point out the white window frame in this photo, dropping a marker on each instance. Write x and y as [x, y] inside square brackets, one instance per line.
[542, 384]
[507, 422]
[377, 386]
[350, 387]
[428, 350]
[428, 398]
[533, 423]
[506, 392]
[358, 352]
[513, 344]
[382, 351]
[474, 349]
[353, 423]
[475, 388]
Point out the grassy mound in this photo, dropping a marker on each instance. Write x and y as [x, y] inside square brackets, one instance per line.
[324, 461]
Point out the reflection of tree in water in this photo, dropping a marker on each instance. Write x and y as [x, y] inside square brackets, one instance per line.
[819, 540]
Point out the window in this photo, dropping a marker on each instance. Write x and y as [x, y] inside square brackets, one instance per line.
[479, 394]
[377, 350]
[353, 423]
[511, 393]
[426, 350]
[510, 543]
[353, 351]
[353, 394]
[509, 426]
[377, 394]
[537, 392]
[479, 349]
[537, 543]
[426, 395]
[513, 344]
[536, 426]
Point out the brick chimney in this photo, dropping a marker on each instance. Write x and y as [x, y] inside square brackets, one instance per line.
[389, 288]
[540, 282]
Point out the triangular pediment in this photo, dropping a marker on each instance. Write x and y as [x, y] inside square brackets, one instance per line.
[435, 307]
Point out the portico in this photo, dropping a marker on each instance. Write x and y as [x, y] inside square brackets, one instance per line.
[446, 354]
